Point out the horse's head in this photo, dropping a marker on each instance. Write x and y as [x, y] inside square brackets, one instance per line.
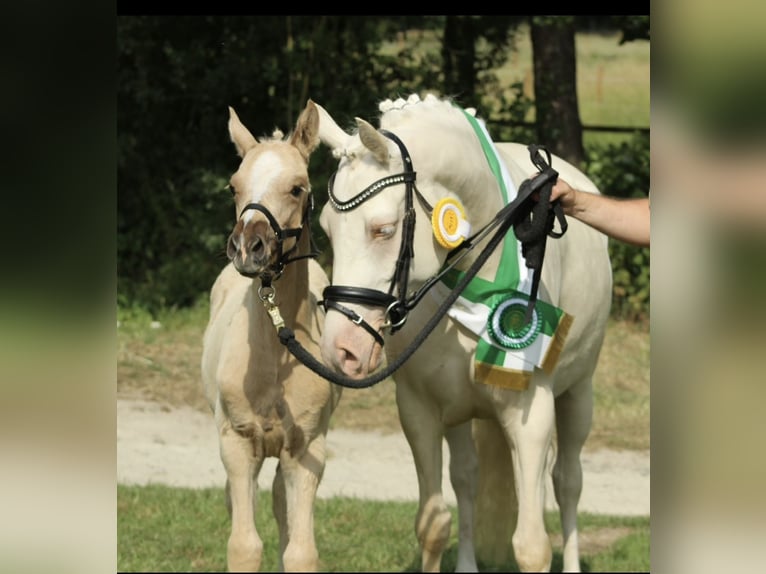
[271, 192]
[379, 255]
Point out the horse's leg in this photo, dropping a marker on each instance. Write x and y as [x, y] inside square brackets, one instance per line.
[301, 479]
[424, 432]
[574, 411]
[530, 429]
[463, 468]
[245, 548]
[496, 506]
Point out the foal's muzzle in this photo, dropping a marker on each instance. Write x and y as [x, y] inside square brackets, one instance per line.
[251, 245]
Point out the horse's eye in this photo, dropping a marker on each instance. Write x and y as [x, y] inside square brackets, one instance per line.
[296, 191]
[231, 189]
[384, 231]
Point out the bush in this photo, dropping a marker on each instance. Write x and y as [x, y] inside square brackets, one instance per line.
[622, 170]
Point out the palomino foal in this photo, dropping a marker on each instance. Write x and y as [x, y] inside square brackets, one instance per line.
[267, 404]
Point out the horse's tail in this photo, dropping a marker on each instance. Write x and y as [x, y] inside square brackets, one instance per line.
[496, 504]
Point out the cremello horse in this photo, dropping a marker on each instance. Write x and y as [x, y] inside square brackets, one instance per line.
[435, 145]
[266, 404]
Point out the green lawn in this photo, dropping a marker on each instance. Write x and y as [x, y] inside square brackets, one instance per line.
[163, 529]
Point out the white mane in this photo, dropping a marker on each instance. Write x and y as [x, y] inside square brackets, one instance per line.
[396, 113]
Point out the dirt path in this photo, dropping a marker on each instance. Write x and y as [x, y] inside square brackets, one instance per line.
[179, 447]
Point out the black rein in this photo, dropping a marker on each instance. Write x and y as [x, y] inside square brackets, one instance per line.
[532, 220]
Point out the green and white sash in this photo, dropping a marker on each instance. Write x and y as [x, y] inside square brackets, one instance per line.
[508, 350]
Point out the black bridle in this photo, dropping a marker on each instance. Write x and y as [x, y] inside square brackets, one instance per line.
[531, 231]
[532, 220]
[397, 305]
[274, 271]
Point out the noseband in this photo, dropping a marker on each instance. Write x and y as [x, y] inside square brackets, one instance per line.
[275, 270]
[397, 305]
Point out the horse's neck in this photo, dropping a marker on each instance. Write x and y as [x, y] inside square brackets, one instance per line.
[480, 194]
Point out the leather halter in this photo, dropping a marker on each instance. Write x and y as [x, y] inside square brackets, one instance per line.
[397, 306]
[275, 270]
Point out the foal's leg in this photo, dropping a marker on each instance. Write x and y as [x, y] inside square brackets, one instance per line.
[424, 432]
[574, 412]
[530, 429]
[301, 479]
[279, 509]
[463, 468]
[245, 548]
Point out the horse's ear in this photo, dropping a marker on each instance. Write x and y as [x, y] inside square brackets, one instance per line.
[241, 137]
[330, 133]
[306, 134]
[373, 140]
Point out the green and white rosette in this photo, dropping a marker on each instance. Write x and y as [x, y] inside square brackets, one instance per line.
[507, 324]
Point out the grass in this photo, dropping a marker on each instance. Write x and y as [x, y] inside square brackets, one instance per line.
[163, 529]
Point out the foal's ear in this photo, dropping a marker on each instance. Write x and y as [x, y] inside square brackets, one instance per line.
[373, 140]
[239, 134]
[306, 134]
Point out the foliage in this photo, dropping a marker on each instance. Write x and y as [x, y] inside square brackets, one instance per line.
[177, 75]
[622, 170]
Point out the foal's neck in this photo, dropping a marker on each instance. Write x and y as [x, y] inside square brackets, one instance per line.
[291, 290]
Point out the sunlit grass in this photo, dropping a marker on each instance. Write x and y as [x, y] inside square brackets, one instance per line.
[163, 529]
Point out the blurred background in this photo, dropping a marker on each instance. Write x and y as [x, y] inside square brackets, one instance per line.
[579, 85]
[62, 250]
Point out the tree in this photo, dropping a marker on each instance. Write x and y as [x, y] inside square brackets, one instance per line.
[555, 73]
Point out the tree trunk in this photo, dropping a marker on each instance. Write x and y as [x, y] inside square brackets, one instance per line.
[555, 69]
[459, 57]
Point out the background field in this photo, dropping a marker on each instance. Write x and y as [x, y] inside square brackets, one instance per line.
[175, 529]
[162, 363]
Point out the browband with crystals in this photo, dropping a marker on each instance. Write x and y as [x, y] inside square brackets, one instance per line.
[365, 194]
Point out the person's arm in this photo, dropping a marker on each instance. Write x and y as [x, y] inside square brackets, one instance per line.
[623, 219]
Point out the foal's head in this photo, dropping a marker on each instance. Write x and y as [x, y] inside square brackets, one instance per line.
[271, 192]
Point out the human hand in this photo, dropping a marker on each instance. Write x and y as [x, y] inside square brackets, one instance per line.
[563, 192]
[566, 195]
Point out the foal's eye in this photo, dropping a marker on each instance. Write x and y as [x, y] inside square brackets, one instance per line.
[231, 189]
[296, 191]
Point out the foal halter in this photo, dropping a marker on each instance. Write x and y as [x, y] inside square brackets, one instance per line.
[397, 306]
[275, 270]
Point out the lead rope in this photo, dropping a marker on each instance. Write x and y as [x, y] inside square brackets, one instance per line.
[287, 337]
[533, 228]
